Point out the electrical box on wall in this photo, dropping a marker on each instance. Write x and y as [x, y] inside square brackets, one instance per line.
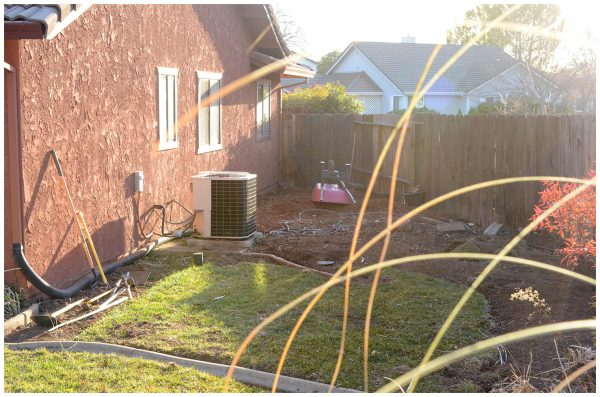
[138, 177]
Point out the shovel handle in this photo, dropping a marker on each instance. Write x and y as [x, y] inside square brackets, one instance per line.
[90, 245]
[56, 162]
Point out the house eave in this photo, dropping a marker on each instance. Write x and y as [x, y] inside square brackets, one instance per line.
[17, 30]
[439, 93]
[373, 93]
[259, 59]
[30, 28]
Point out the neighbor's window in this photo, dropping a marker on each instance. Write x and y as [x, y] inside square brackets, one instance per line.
[209, 114]
[167, 108]
[263, 110]
[420, 103]
[396, 104]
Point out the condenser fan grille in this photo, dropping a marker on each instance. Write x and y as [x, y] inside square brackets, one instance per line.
[233, 207]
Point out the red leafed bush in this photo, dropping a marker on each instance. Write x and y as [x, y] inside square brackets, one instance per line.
[574, 222]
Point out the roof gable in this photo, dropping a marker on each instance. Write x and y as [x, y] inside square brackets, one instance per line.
[403, 64]
[354, 82]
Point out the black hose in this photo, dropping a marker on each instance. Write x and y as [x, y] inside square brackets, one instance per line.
[83, 282]
[42, 284]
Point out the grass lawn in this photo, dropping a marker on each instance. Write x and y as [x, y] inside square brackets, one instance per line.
[205, 312]
[41, 371]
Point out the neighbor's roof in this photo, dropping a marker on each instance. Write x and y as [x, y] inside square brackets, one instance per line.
[354, 82]
[403, 64]
[39, 20]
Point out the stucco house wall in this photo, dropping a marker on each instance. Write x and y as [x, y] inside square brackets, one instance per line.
[446, 104]
[355, 61]
[91, 94]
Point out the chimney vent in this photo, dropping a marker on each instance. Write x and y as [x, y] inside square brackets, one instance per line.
[409, 39]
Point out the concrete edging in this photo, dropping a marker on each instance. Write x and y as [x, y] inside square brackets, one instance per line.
[243, 375]
[20, 319]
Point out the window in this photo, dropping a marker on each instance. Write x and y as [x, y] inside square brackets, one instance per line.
[263, 110]
[420, 103]
[396, 103]
[209, 114]
[167, 108]
[490, 100]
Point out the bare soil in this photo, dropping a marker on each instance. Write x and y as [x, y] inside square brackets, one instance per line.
[295, 229]
[34, 332]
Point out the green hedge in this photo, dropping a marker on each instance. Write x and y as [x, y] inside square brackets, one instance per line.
[327, 98]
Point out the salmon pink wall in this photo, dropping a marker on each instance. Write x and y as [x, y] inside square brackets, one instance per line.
[91, 94]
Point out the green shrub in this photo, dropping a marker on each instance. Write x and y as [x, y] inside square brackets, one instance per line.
[484, 108]
[14, 301]
[327, 98]
[424, 109]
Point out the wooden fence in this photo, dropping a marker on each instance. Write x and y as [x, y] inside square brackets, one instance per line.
[444, 153]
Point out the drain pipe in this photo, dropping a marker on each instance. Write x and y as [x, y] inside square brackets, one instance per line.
[83, 282]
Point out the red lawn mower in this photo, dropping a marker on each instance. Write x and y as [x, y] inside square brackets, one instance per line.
[332, 189]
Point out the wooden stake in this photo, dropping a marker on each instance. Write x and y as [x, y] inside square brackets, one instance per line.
[118, 301]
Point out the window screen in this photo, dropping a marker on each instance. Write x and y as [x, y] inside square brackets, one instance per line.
[209, 114]
[263, 110]
[167, 108]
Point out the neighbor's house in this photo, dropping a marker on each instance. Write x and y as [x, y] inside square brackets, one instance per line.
[113, 88]
[384, 75]
[580, 84]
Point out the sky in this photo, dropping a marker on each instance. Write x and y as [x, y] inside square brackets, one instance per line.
[332, 25]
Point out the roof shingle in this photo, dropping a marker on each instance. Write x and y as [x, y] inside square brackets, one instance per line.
[48, 15]
[403, 64]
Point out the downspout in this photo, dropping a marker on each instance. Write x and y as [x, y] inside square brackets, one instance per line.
[280, 138]
[14, 151]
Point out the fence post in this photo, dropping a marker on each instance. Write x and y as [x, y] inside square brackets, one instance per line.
[289, 150]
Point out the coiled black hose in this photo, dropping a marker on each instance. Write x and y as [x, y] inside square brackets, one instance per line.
[83, 282]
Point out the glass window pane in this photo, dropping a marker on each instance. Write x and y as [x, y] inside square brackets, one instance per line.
[259, 111]
[162, 106]
[204, 117]
[266, 109]
[170, 108]
[214, 114]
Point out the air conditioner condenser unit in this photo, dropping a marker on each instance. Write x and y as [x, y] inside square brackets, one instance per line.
[225, 203]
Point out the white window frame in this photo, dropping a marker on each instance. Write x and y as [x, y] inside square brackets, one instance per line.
[162, 128]
[420, 103]
[393, 98]
[262, 137]
[210, 147]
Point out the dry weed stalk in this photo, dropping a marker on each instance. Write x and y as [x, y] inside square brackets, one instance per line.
[533, 296]
[348, 265]
[517, 381]
[427, 365]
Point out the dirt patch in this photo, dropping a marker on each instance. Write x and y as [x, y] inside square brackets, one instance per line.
[296, 230]
[33, 332]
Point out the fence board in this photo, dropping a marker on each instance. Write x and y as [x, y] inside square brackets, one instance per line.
[444, 153]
